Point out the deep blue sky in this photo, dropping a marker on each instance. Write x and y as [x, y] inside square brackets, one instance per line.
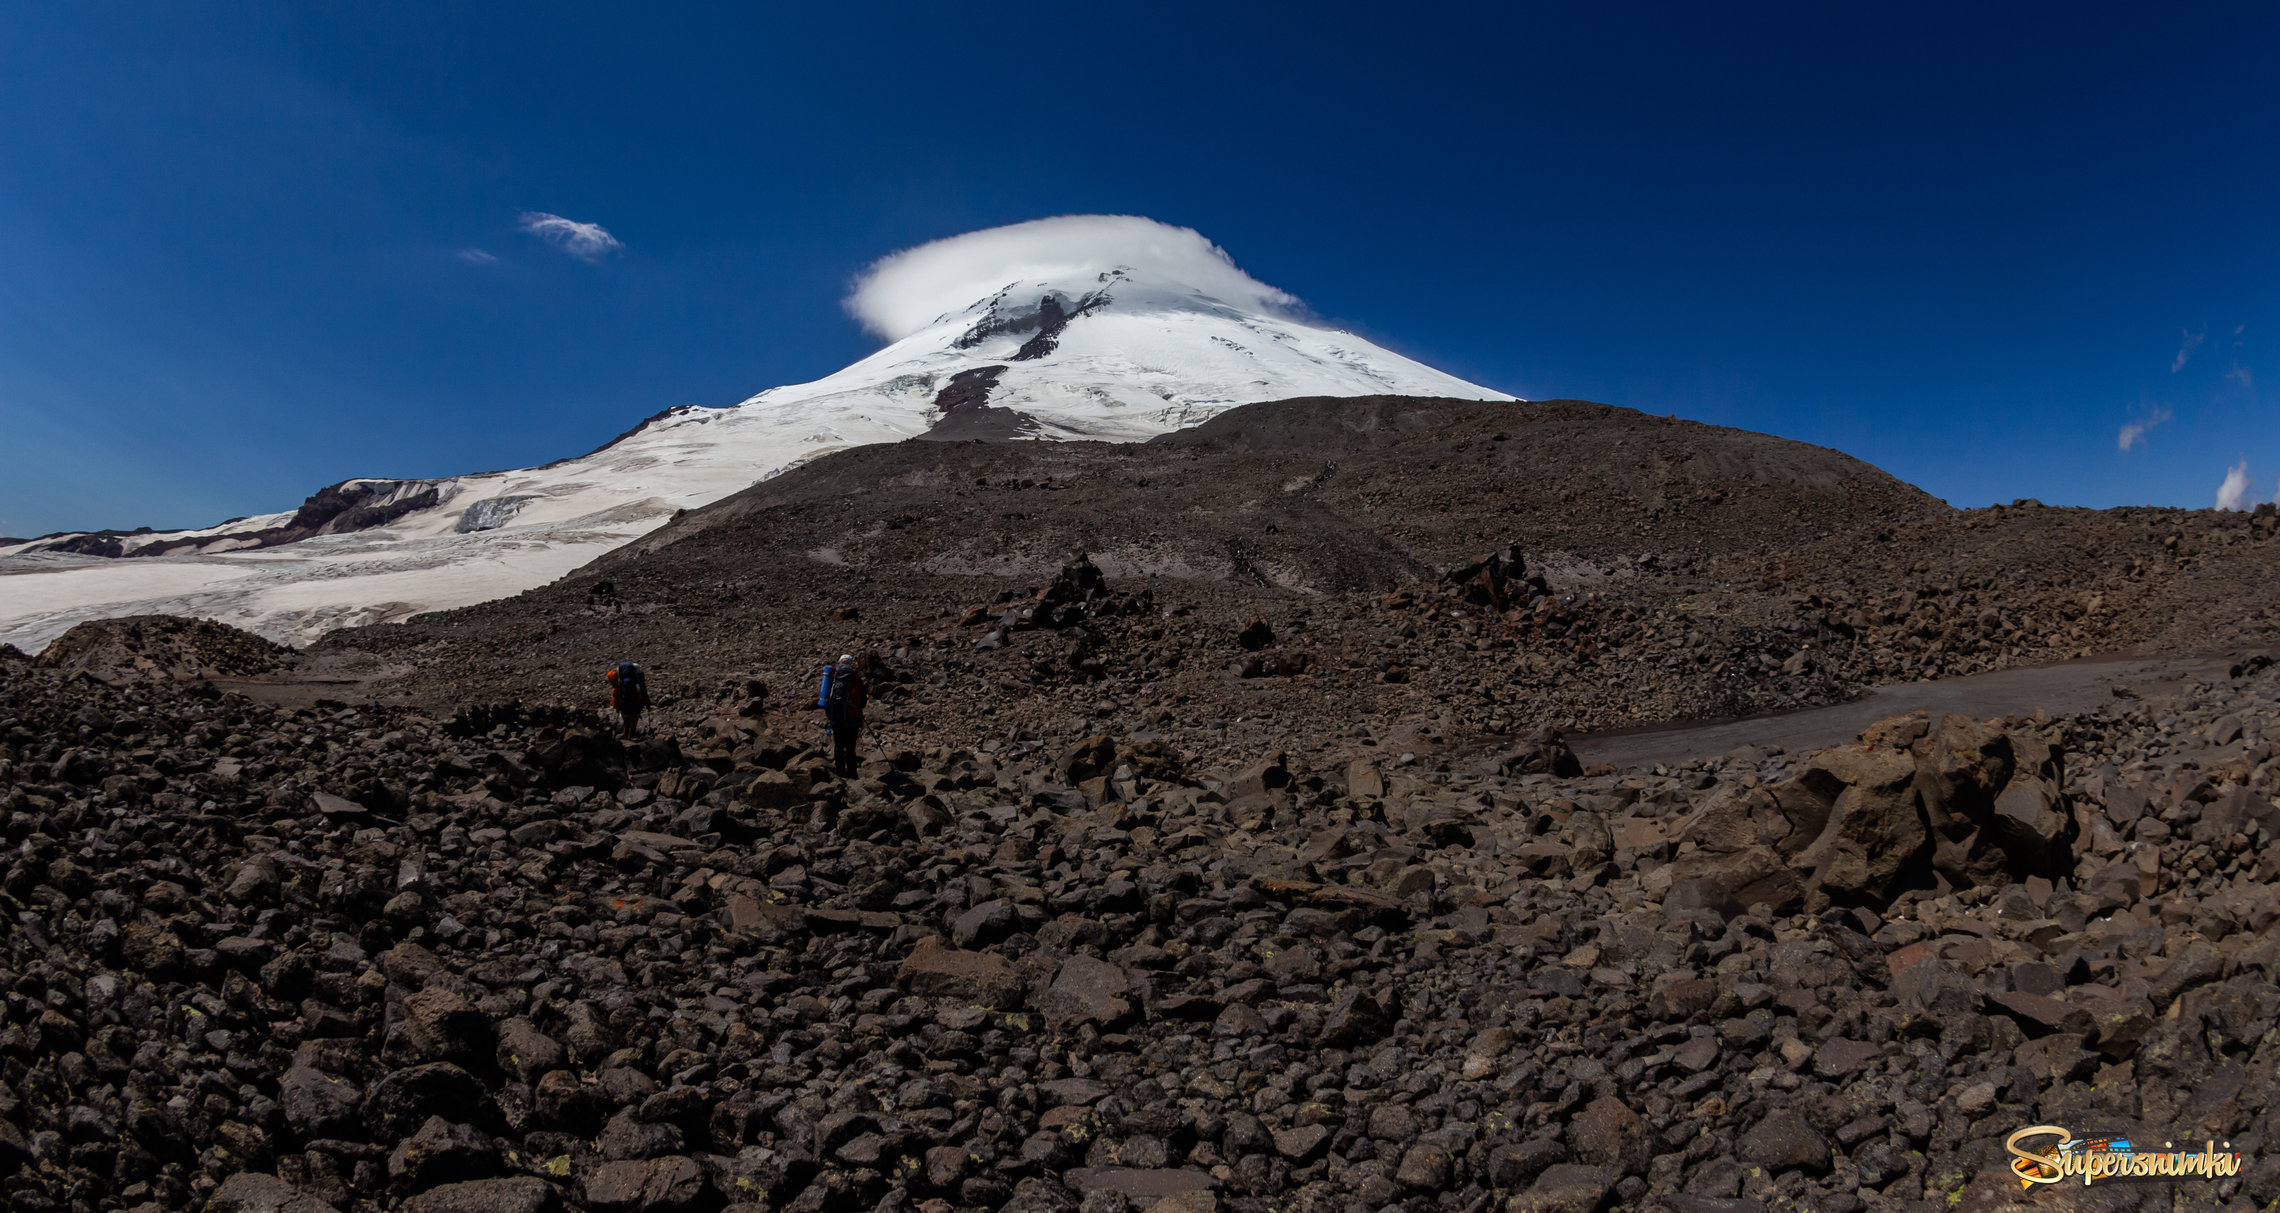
[1965, 243]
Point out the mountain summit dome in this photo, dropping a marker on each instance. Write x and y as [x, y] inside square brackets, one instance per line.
[1111, 351]
[1110, 328]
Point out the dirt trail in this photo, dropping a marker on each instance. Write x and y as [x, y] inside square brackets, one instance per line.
[332, 677]
[2067, 687]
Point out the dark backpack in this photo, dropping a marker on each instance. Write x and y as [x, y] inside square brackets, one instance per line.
[839, 690]
[633, 687]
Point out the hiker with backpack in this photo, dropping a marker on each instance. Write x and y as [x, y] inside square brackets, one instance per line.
[629, 694]
[841, 696]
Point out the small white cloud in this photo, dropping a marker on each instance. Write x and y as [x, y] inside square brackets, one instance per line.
[2185, 350]
[2233, 493]
[476, 256]
[585, 241]
[2241, 376]
[2134, 432]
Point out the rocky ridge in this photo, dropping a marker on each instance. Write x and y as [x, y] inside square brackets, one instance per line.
[1474, 570]
[163, 648]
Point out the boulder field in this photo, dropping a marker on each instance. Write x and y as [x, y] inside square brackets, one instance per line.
[358, 958]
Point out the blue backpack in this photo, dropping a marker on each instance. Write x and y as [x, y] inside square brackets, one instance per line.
[632, 685]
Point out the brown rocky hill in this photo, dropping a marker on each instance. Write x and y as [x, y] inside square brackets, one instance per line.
[1318, 495]
[140, 648]
[1645, 569]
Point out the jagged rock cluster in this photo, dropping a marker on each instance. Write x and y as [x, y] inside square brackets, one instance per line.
[1076, 596]
[1968, 801]
[359, 959]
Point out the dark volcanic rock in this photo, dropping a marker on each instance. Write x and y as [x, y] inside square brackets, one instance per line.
[1566, 1188]
[441, 1152]
[401, 1101]
[1103, 950]
[982, 977]
[1086, 991]
[1608, 1135]
[1785, 1140]
[253, 1192]
[674, 1184]
[520, 1194]
[317, 1104]
[443, 1026]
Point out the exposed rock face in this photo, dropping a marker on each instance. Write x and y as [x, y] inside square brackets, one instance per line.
[357, 505]
[1052, 318]
[336, 509]
[1044, 322]
[967, 390]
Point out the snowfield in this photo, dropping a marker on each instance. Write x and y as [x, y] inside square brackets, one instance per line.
[1145, 353]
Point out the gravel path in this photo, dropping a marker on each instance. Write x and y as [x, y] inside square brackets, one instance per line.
[2074, 686]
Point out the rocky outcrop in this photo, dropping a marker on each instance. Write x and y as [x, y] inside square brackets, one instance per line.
[1077, 595]
[1044, 322]
[1915, 804]
[351, 505]
[163, 647]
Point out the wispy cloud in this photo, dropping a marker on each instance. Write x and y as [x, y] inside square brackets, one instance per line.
[2191, 342]
[585, 241]
[2242, 376]
[2233, 493]
[905, 292]
[2134, 433]
[476, 256]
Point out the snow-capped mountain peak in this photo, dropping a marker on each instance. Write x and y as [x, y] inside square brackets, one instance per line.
[1085, 327]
